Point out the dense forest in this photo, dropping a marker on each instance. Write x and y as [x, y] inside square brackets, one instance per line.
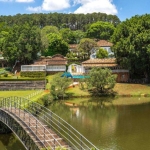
[25, 37]
[60, 20]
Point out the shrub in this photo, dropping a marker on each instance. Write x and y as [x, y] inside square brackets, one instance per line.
[33, 74]
[5, 75]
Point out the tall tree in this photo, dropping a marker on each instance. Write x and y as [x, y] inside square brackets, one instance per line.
[131, 45]
[78, 34]
[4, 29]
[59, 86]
[56, 45]
[44, 35]
[101, 80]
[101, 30]
[67, 35]
[85, 46]
[22, 44]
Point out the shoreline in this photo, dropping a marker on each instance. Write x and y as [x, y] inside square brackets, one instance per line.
[116, 101]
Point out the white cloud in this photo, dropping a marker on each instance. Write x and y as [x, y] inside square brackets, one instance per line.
[86, 6]
[52, 5]
[90, 6]
[24, 1]
[35, 9]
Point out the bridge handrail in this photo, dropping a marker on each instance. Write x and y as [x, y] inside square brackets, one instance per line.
[64, 129]
[18, 105]
[39, 116]
[48, 112]
[21, 133]
[69, 137]
[22, 120]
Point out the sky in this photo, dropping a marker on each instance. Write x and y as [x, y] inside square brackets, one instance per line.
[124, 9]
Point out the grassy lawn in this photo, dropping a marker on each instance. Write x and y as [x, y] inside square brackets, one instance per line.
[121, 89]
[16, 93]
[139, 94]
[132, 89]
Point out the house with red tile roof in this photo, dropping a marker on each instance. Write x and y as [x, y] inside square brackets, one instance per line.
[122, 74]
[56, 63]
[102, 44]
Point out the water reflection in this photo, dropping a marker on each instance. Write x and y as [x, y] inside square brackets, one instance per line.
[10, 142]
[110, 127]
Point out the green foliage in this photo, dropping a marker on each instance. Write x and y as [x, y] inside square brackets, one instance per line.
[3, 71]
[73, 21]
[100, 81]
[5, 75]
[78, 34]
[101, 53]
[56, 45]
[47, 100]
[101, 30]
[22, 43]
[82, 85]
[68, 36]
[131, 45]
[44, 35]
[33, 74]
[85, 47]
[59, 85]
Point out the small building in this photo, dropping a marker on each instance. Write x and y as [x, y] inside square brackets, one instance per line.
[56, 63]
[75, 69]
[102, 44]
[122, 74]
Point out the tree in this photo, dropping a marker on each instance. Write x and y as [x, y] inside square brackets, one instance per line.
[3, 34]
[101, 30]
[59, 85]
[44, 35]
[85, 46]
[100, 81]
[131, 46]
[101, 53]
[23, 44]
[56, 45]
[78, 34]
[67, 35]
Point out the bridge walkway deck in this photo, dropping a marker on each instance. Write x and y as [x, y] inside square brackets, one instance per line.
[41, 134]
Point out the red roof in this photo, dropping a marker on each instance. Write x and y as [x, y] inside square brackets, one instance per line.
[54, 60]
[74, 46]
[104, 43]
[108, 62]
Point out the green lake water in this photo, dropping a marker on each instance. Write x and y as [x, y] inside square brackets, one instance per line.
[10, 142]
[109, 128]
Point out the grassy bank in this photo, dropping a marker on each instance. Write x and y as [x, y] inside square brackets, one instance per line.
[124, 89]
[139, 93]
[121, 89]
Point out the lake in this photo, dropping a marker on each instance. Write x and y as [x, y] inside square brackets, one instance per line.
[110, 127]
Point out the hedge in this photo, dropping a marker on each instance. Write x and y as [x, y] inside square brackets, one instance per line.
[33, 74]
[34, 79]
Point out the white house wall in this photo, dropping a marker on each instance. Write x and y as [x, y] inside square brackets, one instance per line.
[33, 68]
[56, 68]
[42, 68]
[79, 69]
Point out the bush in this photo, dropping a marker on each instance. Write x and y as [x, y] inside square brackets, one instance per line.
[47, 100]
[33, 74]
[5, 75]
